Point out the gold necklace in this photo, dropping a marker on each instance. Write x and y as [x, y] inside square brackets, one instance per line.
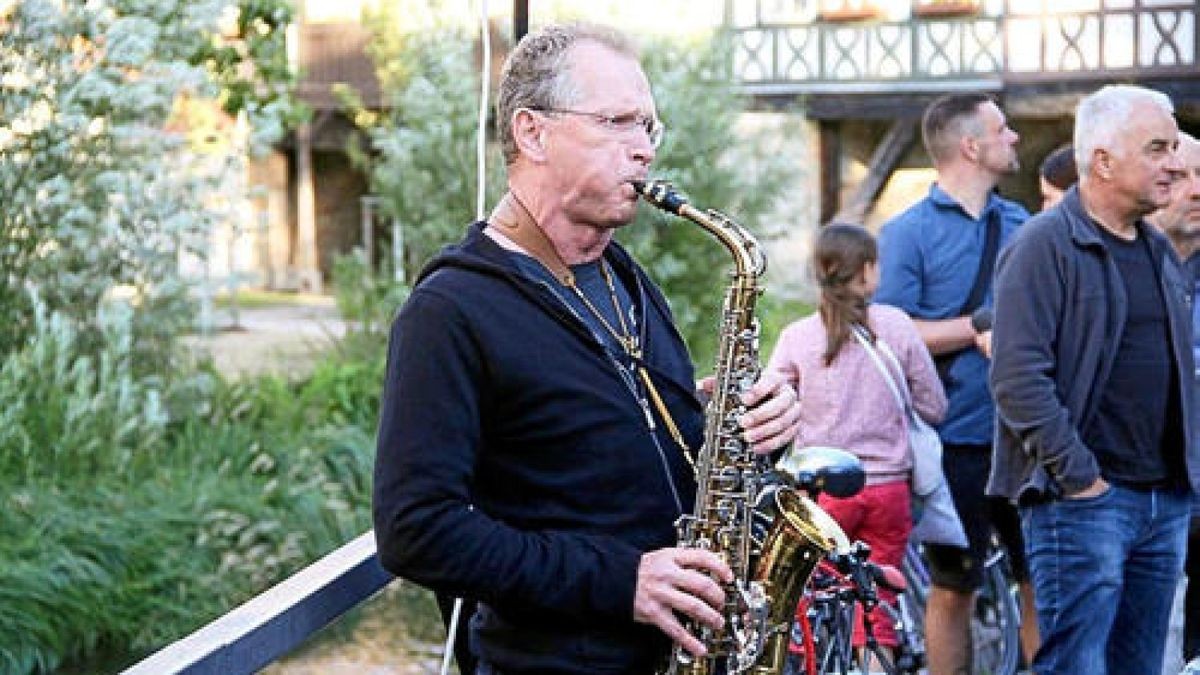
[629, 342]
[626, 338]
[517, 223]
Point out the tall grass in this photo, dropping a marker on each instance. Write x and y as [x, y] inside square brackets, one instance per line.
[134, 509]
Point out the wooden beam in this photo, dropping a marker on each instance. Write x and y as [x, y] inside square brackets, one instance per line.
[887, 156]
[829, 144]
[520, 19]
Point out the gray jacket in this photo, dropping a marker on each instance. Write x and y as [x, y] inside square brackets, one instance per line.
[1060, 307]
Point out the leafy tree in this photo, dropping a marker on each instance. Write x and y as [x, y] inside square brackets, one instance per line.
[420, 158]
[101, 191]
[420, 150]
[716, 167]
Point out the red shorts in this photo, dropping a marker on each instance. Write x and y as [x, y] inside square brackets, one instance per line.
[880, 516]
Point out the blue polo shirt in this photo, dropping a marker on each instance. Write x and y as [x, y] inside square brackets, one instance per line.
[928, 258]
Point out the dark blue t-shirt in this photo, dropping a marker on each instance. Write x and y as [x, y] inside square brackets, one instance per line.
[591, 281]
[928, 258]
[1136, 433]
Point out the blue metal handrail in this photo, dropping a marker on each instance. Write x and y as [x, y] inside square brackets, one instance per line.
[280, 619]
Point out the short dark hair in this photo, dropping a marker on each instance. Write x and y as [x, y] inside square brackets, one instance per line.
[947, 120]
[1058, 168]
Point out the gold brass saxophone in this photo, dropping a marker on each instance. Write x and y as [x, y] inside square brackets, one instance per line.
[770, 535]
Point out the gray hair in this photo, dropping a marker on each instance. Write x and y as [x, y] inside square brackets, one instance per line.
[1100, 118]
[536, 74]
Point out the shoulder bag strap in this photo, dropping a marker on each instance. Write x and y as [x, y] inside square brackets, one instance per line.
[888, 377]
[979, 288]
[891, 356]
[987, 265]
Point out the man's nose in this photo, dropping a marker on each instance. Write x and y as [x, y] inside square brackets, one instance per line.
[642, 150]
[1175, 164]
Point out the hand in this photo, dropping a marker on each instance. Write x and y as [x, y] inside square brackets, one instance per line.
[683, 580]
[1097, 488]
[983, 341]
[774, 416]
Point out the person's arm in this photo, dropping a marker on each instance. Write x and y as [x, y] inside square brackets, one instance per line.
[900, 285]
[1029, 297]
[944, 336]
[929, 397]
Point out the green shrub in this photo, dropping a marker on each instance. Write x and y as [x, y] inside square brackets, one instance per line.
[181, 510]
[69, 411]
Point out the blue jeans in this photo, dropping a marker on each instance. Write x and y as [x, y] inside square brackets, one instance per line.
[1104, 571]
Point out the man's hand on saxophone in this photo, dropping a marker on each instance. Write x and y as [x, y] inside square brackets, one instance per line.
[773, 418]
[683, 581]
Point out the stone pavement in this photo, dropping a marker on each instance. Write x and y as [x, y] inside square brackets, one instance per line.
[281, 338]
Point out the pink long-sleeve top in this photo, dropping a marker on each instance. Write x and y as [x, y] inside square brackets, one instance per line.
[848, 404]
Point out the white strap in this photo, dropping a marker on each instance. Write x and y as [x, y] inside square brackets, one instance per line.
[887, 352]
[902, 400]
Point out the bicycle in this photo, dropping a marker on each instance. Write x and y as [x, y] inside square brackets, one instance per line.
[844, 583]
[996, 621]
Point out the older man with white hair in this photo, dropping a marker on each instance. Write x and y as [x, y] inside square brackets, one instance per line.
[1092, 376]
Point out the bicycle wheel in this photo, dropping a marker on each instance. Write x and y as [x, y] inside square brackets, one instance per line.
[916, 579]
[996, 624]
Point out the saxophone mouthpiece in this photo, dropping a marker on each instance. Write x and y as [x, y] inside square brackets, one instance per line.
[661, 194]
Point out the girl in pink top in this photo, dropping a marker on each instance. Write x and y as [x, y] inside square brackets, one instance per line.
[846, 403]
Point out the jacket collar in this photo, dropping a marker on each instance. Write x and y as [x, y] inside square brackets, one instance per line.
[1083, 228]
[1079, 223]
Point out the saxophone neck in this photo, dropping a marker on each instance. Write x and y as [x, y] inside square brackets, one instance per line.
[749, 259]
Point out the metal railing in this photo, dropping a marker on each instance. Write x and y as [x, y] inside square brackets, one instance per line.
[800, 46]
[276, 622]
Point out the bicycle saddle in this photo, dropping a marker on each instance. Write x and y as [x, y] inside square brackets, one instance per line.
[817, 469]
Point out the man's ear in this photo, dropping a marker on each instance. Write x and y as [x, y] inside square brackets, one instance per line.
[1103, 164]
[529, 133]
[969, 147]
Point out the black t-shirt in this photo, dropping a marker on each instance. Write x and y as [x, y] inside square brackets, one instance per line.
[1137, 433]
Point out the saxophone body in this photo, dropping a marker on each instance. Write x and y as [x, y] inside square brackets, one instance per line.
[770, 535]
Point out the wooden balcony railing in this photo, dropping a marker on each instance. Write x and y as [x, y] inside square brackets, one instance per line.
[859, 46]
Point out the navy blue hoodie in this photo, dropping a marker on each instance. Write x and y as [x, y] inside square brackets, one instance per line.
[516, 466]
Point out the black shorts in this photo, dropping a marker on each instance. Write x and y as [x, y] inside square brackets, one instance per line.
[966, 468]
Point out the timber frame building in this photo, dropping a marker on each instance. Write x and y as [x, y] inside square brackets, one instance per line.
[864, 69]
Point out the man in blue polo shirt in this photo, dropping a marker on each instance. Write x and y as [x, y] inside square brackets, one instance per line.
[935, 264]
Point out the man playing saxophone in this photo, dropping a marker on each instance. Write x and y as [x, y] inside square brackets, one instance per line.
[539, 418]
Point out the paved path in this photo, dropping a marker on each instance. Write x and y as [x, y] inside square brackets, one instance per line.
[278, 338]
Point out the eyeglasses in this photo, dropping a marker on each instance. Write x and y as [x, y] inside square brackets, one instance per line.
[625, 123]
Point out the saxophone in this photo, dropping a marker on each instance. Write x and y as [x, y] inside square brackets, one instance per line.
[770, 535]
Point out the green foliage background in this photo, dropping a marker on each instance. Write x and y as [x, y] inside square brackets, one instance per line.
[133, 513]
[141, 494]
[420, 158]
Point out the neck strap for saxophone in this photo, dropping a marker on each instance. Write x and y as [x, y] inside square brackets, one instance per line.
[513, 220]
